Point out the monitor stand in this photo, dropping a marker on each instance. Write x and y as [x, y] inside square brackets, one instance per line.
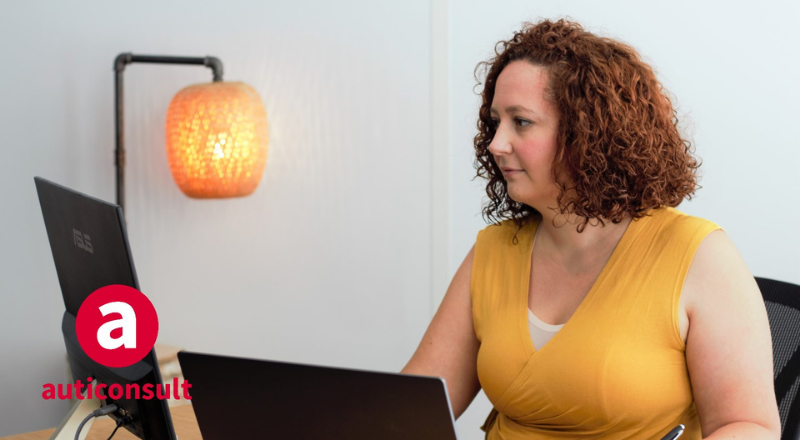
[79, 411]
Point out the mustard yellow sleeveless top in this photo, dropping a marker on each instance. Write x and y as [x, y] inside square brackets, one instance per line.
[617, 369]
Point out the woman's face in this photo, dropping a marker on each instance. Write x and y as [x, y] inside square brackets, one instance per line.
[524, 143]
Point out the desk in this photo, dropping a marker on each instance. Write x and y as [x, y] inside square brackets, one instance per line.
[182, 417]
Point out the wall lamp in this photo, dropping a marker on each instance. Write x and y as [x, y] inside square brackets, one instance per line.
[216, 133]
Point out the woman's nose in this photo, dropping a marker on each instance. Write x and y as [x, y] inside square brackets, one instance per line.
[500, 143]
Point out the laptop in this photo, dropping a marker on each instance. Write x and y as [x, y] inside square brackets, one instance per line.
[237, 398]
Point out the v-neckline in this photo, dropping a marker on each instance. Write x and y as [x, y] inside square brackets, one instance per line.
[616, 254]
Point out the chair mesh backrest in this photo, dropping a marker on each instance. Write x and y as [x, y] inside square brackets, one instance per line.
[783, 307]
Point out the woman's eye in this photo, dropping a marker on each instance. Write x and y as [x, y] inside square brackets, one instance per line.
[495, 123]
[521, 122]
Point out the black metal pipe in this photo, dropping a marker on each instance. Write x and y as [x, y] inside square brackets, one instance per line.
[119, 153]
[216, 67]
[120, 62]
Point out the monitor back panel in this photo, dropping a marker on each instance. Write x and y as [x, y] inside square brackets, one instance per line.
[90, 250]
[88, 242]
[246, 398]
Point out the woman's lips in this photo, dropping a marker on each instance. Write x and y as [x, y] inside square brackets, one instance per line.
[511, 172]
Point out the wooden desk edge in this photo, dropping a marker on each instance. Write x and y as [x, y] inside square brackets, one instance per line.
[182, 418]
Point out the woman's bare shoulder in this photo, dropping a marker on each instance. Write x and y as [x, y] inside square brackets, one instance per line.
[718, 273]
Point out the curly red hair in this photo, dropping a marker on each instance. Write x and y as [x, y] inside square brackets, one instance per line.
[618, 143]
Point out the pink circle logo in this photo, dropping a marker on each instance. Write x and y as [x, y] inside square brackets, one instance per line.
[117, 326]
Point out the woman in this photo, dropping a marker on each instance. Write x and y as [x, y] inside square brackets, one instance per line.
[594, 309]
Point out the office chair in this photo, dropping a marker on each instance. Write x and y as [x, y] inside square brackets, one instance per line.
[783, 307]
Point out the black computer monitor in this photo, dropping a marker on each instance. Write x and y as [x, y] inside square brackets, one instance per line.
[90, 249]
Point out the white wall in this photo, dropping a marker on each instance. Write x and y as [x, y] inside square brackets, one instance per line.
[734, 68]
[328, 262]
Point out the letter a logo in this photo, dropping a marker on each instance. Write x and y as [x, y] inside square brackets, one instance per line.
[117, 326]
[127, 323]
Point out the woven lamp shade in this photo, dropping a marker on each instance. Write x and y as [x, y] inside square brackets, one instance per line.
[217, 139]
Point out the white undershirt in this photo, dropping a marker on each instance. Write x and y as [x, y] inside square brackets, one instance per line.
[541, 332]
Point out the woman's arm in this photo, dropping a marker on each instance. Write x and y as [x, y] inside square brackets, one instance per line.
[729, 347]
[449, 348]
